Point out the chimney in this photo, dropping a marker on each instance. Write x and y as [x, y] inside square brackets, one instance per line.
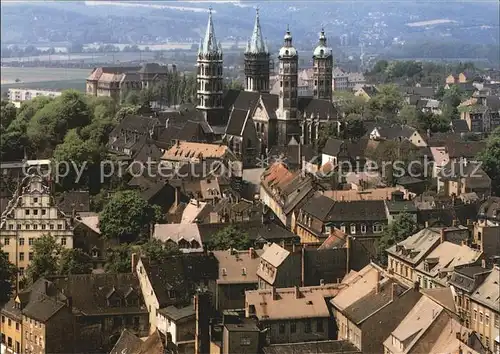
[455, 222]
[46, 283]
[135, 260]
[348, 254]
[202, 332]
[251, 253]
[273, 293]
[69, 302]
[393, 291]
[443, 235]
[377, 285]
[297, 292]
[483, 263]
[322, 282]
[416, 286]
[302, 266]
[427, 224]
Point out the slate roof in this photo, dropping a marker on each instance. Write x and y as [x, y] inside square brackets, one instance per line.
[323, 108]
[128, 343]
[472, 171]
[319, 206]
[90, 292]
[401, 206]
[416, 246]
[465, 149]
[73, 201]
[322, 347]
[488, 293]
[237, 120]
[153, 68]
[358, 210]
[43, 308]
[136, 123]
[395, 131]
[332, 146]
[290, 154]
[420, 91]
[178, 313]
[371, 303]
[180, 273]
[459, 126]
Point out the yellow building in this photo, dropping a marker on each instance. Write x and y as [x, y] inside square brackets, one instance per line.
[11, 328]
[29, 215]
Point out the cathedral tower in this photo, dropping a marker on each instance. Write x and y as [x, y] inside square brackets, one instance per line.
[257, 61]
[209, 76]
[323, 67]
[288, 123]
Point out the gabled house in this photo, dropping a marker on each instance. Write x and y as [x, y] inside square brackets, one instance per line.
[406, 256]
[278, 268]
[370, 306]
[130, 135]
[290, 315]
[110, 302]
[464, 280]
[427, 328]
[312, 217]
[482, 113]
[283, 191]
[457, 178]
[173, 282]
[237, 274]
[398, 133]
[436, 268]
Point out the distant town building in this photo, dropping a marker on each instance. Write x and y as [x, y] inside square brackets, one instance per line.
[345, 81]
[118, 82]
[19, 95]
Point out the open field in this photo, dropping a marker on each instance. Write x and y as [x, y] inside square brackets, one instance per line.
[29, 75]
[50, 78]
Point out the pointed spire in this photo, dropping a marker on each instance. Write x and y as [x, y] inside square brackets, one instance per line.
[210, 45]
[257, 44]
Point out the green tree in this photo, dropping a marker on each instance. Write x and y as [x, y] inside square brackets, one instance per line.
[410, 115]
[127, 216]
[229, 237]
[7, 277]
[387, 101]
[402, 227]
[352, 127]
[46, 252]
[451, 99]
[490, 159]
[74, 261]
[8, 113]
[157, 251]
[329, 130]
[49, 125]
[118, 260]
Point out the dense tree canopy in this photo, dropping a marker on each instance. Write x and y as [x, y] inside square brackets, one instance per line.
[128, 217]
[46, 252]
[74, 261]
[229, 237]
[7, 277]
[490, 159]
[402, 227]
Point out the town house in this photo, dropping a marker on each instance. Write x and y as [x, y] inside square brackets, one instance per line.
[296, 314]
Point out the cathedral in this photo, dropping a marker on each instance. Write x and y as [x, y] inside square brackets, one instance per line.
[252, 120]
